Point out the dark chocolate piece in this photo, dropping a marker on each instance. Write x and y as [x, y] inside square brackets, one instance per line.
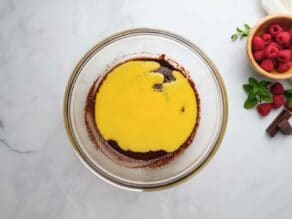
[158, 87]
[273, 128]
[285, 127]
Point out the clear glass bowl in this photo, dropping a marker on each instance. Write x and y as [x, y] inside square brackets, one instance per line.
[137, 43]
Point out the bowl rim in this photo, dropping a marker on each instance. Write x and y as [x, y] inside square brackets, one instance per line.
[253, 63]
[83, 61]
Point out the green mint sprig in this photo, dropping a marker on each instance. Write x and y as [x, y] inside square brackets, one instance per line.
[288, 96]
[241, 33]
[257, 92]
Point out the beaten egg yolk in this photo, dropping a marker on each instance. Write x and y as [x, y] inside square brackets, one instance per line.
[139, 118]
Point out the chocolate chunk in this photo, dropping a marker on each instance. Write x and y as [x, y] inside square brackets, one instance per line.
[167, 74]
[273, 128]
[158, 87]
[285, 127]
[182, 109]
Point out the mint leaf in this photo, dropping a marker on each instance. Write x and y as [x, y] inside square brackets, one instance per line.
[253, 82]
[247, 87]
[267, 99]
[241, 33]
[288, 94]
[239, 30]
[247, 27]
[252, 94]
[234, 37]
[250, 103]
[263, 92]
[264, 83]
[257, 92]
[289, 103]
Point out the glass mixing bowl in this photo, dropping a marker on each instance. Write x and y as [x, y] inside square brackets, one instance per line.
[137, 43]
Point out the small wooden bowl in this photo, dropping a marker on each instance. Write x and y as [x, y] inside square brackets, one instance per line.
[286, 22]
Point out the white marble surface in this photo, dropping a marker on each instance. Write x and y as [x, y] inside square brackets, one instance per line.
[40, 176]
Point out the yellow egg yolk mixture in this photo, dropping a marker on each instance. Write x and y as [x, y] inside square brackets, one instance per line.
[139, 118]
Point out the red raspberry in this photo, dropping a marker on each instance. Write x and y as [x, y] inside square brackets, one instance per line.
[259, 55]
[271, 51]
[267, 65]
[283, 67]
[283, 38]
[267, 38]
[286, 46]
[287, 107]
[277, 89]
[274, 29]
[278, 101]
[276, 45]
[290, 31]
[258, 43]
[275, 62]
[264, 108]
[284, 55]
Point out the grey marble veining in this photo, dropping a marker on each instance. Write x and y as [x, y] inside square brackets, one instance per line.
[40, 176]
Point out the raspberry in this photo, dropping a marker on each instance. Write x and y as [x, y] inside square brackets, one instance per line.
[284, 55]
[290, 31]
[267, 65]
[275, 62]
[277, 89]
[259, 55]
[264, 108]
[283, 38]
[271, 51]
[258, 43]
[278, 101]
[266, 38]
[276, 45]
[287, 107]
[286, 46]
[283, 67]
[274, 29]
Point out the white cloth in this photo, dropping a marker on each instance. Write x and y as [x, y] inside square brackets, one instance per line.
[277, 6]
